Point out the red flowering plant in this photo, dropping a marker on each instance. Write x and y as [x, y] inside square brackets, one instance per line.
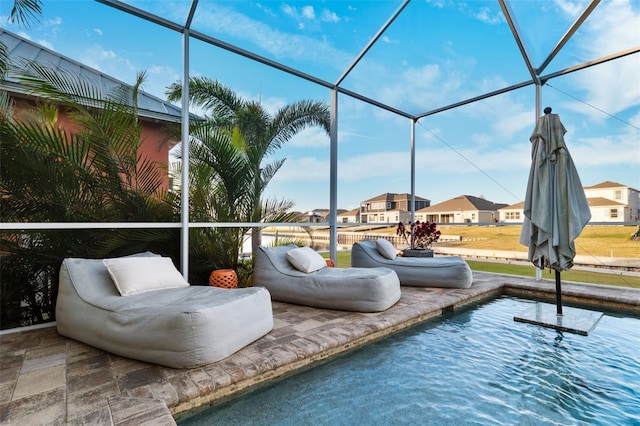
[419, 235]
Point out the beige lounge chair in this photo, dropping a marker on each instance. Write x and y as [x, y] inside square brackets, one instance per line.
[448, 272]
[348, 289]
[180, 327]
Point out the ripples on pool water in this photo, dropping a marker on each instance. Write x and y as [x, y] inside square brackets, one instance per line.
[477, 367]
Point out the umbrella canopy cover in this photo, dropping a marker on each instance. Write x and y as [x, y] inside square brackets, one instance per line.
[555, 208]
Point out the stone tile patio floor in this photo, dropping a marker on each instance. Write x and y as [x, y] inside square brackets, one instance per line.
[46, 379]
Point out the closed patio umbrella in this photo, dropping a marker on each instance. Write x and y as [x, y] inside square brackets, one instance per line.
[555, 208]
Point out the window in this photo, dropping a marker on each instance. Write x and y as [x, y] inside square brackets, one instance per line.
[618, 195]
[613, 214]
[378, 206]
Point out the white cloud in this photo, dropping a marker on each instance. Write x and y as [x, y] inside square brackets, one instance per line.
[599, 152]
[308, 12]
[482, 13]
[429, 159]
[288, 10]
[485, 15]
[510, 124]
[221, 19]
[571, 8]
[97, 31]
[611, 86]
[635, 119]
[271, 104]
[312, 137]
[266, 10]
[302, 169]
[372, 165]
[415, 86]
[46, 44]
[329, 16]
[109, 62]
[24, 35]
[159, 77]
[106, 54]
[53, 22]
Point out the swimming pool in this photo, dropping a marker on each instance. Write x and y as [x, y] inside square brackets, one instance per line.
[477, 366]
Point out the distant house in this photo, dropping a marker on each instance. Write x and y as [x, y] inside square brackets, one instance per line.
[390, 208]
[155, 115]
[613, 202]
[608, 202]
[606, 210]
[512, 213]
[317, 215]
[351, 216]
[461, 209]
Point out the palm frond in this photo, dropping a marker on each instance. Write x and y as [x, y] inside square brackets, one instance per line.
[268, 172]
[25, 11]
[293, 118]
[4, 59]
[210, 95]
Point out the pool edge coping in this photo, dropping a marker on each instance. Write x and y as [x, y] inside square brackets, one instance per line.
[608, 297]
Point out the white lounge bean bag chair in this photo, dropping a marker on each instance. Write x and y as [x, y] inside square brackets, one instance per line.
[178, 326]
[448, 272]
[348, 289]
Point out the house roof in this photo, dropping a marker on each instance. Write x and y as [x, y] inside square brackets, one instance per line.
[608, 184]
[353, 212]
[516, 206]
[390, 196]
[149, 106]
[464, 202]
[602, 202]
[605, 184]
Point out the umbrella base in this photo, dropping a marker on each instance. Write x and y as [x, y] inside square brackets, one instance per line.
[573, 320]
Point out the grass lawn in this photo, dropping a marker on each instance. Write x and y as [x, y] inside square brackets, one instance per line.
[344, 261]
[613, 241]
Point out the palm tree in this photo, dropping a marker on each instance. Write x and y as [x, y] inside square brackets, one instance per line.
[221, 179]
[262, 133]
[92, 174]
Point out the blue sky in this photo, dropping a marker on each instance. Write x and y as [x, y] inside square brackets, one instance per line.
[435, 54]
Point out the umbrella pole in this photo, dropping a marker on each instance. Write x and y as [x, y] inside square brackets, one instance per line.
[558, 293]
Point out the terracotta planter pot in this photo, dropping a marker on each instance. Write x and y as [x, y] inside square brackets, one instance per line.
[417, 253]
[224, 278]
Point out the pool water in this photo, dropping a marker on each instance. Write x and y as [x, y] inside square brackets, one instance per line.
[476, 367]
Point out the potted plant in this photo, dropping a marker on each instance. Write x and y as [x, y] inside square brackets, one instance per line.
[420, 236]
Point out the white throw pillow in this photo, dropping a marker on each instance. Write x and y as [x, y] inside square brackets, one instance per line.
[133, 275]
[306, 259]
[386, 249]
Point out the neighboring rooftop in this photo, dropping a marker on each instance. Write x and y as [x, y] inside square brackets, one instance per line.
[609, 184]
[606, 184]
[464, 202]
[390, 196]
[20, 48]
[516, 206]
[602, 202]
